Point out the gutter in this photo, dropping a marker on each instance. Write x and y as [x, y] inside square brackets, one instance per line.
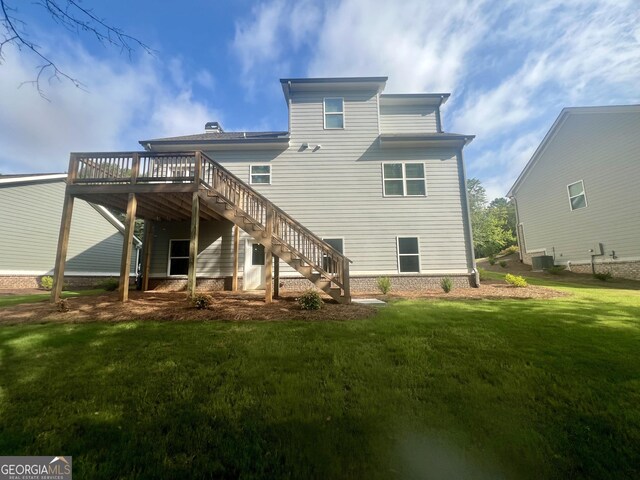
[111, 218]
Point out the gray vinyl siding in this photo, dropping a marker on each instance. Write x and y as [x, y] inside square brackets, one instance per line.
[30, 217]
[408, 119]
[603, 150]
[337, 190]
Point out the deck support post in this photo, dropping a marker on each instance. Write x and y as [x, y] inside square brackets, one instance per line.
[276, 277]
[148, 243]
[63, 244]
[346, 282]
[236, 254]
[193, 244]
[127, 242]
[268, 257]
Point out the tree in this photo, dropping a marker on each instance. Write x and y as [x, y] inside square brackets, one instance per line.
[70, 15]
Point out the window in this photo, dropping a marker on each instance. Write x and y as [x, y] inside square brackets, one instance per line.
[577, 198]
[257, 254]
[404, 179]
[327, 264]
[333, 113]
[260, 174]
[408, 255]
[178, 257]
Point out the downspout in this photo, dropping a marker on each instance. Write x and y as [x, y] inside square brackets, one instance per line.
[593, 257]
[467, 218]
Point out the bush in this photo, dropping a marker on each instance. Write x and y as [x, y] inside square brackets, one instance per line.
[482, 273]
[511, 250]
[46, 283]
[603, 276]
[503, 263]
[491, 259]
[310, 300]
[556, 269]
[447, 284]
[384, 285]
[201, 302]
[62, 306]
[515, 280]
[109, 284]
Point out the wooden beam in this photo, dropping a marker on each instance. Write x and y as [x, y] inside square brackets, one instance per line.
[193, 244]
[268, 264]
[125, 261]
[236, 254]
[137, 188]
[276, 277]
[63, 244]
[148, 244]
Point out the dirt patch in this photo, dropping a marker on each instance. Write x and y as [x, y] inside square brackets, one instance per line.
[7, 292]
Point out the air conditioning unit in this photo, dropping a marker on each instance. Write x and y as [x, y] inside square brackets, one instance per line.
[542, 262]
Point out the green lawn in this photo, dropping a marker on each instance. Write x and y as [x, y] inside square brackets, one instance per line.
[427, 389]
[10, 300]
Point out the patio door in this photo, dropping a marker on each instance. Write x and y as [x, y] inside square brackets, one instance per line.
[254, 256]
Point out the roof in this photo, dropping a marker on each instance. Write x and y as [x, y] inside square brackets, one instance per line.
[222, 138]
[417, 139]
[31, 177]
[555, 128]
[415, 98]
[341, 83]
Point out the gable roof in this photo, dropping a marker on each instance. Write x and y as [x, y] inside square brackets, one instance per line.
[555, 128]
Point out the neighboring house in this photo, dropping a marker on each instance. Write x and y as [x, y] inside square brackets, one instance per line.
[371, 185]
[578, 198]
[30, 211]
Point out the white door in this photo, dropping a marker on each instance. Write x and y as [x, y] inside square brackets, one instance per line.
[254, 256]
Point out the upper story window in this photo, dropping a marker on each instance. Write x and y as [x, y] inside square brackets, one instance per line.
[333, 113]
[577, 197]
[260, 174]
[404, 180]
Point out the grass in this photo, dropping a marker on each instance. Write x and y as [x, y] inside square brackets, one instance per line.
[11, 300]
[427, 389]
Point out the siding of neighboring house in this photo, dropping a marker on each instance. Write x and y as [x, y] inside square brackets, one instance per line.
[30, 216]
[601, 148]
[408, 118]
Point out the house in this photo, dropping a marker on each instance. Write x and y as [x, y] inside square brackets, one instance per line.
[578, 200]
[362, 185]
[30, 211]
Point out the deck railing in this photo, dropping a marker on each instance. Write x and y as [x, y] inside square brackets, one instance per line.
[183, 167]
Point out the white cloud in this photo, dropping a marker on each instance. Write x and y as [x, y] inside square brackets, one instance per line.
[124, 102]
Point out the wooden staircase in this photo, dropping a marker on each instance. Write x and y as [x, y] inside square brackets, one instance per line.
[280, 234]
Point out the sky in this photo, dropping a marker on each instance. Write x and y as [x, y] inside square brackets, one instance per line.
[510, 66]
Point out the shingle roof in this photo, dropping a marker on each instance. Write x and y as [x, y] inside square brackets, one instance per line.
[223, 137]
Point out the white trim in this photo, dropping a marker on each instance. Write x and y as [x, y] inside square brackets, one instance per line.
[378, 107]
[404, 179]
[584, 194]
[252, 174]
[325, 113]
[29, 273]
[424, 273]
[53, 176]
[169, 257]
[408, 254]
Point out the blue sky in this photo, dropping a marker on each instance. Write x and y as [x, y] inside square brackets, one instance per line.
[510, 65]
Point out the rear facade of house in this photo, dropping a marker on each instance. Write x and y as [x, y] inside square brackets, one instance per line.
[372, 174]
[30, 211]
[578, 199]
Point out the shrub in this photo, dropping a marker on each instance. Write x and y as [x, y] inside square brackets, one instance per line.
[46, 283]
[556, 269]
[515, 280]
[384, 285]
[603, 276]
[503, 263]
[201, 302]
[109, 284]
[511, 250]
[62, 305]
[491, 259]
[447, 284]
[310, 300]
[482, 273]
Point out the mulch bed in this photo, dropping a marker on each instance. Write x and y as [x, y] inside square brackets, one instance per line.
[172, 306]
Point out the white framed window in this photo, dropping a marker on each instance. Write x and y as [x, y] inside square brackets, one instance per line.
[577, 197]
[408, 254]
[260, 174]
[333, 113]
[338, 244]
[404, 180]
[178, 257]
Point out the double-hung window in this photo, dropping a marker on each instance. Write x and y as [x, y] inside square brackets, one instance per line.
[408, 255]
[404, 180]
[178, 257]
[333, 113]
[260, 174]
[577, 197]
